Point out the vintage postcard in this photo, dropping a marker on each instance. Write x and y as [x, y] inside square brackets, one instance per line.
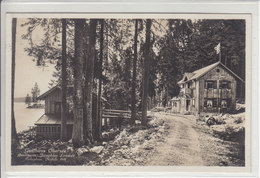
[144, 92]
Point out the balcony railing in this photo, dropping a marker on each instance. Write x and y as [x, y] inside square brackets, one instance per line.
[187, 91]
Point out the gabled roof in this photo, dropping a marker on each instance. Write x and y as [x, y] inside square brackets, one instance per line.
[199, 73]
[176, 98]
[43, 96]
[57, 87]
[204, 70]
[187, 76]
[51, 119]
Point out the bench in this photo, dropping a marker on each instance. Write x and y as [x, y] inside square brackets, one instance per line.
[115, 117]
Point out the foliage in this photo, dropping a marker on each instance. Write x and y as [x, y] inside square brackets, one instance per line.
[28, 100]
[35, 92]
[189, 45]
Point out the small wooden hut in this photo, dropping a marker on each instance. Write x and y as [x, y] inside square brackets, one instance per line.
[48, 126]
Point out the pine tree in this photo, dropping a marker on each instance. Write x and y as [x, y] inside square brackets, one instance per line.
[90, 59]
[147, 51]
[133, 96]
[64, 82]
[77, 135]
[100, 69]
[28, 100]
[35, 92]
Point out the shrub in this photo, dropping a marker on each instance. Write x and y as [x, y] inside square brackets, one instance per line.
[238, 120]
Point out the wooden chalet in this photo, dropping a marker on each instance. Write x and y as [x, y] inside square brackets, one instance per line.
[49, 124]
[209, 89]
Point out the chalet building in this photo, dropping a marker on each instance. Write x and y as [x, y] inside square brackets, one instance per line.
[210, 89]
[49, 124]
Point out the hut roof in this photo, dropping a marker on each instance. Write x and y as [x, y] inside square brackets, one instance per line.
[51, 119]
[200, 72]
[57, 87]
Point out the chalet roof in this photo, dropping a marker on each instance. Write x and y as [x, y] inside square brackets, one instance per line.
[200, 72]
[51, 119]
[176, 98]
[44, 95]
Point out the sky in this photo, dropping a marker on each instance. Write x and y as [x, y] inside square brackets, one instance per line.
[26, 71]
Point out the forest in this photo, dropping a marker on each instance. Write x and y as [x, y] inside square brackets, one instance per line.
[134, 64]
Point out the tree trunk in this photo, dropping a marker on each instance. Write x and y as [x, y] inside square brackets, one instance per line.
[99, 116]
[146, 72]
[89, 78]
[14, 140]
[64, 83]
[133, 97]
[77, 135]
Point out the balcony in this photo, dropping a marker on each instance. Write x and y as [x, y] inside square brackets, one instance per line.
[187, 91]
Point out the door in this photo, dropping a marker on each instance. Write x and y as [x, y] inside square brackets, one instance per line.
[58, 108]
[187, 105]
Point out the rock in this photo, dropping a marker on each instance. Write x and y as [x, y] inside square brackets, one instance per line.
[70, 141]
[104, 143]
[97, 149]
[124, 147]
[80, 151]
[70, 149]
[211, 121]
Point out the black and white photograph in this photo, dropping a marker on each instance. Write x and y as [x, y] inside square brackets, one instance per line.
[129, 91]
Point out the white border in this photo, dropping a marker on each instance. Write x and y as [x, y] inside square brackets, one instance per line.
[134, 7]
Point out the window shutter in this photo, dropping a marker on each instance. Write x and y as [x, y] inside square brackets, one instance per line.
[205, 84]
[205, 102]
[215, 84]
[229, 85]
[214, 102]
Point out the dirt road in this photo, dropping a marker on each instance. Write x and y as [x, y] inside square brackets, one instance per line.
[187, 144]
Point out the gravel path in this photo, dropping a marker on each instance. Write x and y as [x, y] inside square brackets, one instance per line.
[188, 143]
[181, 146]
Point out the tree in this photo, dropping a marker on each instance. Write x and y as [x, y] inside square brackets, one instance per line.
[146, 72]
[28, 100]
[100, 69]
[35, 92]
[90, 59]
[77, 134]
[64, 82]
[133, 96]
[14, 138]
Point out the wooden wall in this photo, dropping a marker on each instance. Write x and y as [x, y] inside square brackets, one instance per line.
[50, 101]
[223, 74]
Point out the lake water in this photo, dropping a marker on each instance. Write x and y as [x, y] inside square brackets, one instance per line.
[25, 117]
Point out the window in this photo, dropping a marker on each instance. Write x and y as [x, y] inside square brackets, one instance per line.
[224, 104]
[217, 70]
[210, 103]
[189, 84]
[210, 84]
[225, 84]
[57, 107]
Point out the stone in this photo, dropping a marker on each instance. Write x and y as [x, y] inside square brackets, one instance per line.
[80, 151]
[97, 149]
